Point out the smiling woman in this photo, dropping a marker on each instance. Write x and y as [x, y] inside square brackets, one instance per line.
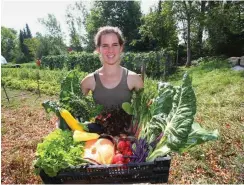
[112, 84]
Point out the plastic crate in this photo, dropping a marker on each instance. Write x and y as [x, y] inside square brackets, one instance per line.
[150, 172]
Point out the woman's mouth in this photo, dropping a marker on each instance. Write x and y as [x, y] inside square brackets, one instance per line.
[110, 56]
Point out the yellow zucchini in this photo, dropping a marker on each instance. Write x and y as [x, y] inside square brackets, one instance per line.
[79, 136]
[70, 120]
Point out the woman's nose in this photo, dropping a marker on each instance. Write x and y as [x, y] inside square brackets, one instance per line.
[110, 48]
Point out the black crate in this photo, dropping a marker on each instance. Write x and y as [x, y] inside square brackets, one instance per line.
[150, 172]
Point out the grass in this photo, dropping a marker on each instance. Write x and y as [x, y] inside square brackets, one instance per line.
[220, 105]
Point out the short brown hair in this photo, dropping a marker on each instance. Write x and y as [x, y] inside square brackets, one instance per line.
[105, 30]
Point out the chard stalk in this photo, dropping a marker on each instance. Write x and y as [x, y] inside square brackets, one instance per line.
[161, 150]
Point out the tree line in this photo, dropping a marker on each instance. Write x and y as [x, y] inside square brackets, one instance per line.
[189, 29]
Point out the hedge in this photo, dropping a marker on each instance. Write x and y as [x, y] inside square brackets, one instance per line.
[157, 64]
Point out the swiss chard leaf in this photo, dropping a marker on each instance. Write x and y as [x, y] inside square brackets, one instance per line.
[199, 135]
[163, 103]
[179, 121]
[181, 116]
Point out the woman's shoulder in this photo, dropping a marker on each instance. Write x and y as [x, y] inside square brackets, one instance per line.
[89, 79]
[133, 74]
[89, 76]
[88, 83]
[134, 80]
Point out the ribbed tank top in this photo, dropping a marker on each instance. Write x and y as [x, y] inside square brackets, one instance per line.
[114, 97]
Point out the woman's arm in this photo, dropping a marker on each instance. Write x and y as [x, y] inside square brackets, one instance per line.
[87, 84]
[134, 81]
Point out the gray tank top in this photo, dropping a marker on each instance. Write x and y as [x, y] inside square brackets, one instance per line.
[114, 97]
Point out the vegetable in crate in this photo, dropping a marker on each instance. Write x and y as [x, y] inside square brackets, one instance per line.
[50, 106]
[180, 131]
[169, 121]
[81, 107]
[140, 151]
[123, 151]
[100, 151]
[79, 136]
[70, 120]
[115, 121]
[58, 152]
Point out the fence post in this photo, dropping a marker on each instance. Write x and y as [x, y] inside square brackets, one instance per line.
[166, 66]
[177, 56]
[143, 69]
[5, 92]
[38, 83]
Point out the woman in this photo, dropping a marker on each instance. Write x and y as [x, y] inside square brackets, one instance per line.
[112, 84]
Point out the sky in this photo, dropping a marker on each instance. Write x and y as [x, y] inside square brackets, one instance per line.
[16, 13]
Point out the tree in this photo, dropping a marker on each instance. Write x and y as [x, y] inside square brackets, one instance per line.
[188, 6]
[75, 17]
[8, 43]
[28, 32]
[93, 22]
[123, 14]
[33, 45]
[186, 12]
[198, 25]
[158, 29]
[226, 32]
[201, 18]
[24, 52]
[52, 42]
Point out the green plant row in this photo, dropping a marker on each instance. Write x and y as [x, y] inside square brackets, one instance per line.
[31, 65]
[156, 63]
[32, 85]
[50, 76]
[27, 79]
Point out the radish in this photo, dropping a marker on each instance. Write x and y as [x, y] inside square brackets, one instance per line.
[117, 158]
[128, 144]
[121, 145]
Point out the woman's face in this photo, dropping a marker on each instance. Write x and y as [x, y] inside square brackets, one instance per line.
[110, 49]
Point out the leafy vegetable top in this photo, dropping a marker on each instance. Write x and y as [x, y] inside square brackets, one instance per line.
[57, 152]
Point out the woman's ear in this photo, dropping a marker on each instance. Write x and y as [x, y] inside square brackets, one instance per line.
[121, 48]
[97, 50]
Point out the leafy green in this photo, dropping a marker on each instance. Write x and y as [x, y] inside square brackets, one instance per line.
[198, 135]
[72, 99]
[176, 107]
[57, 152]
[181, 116]
[163, 102]
[51, 106]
